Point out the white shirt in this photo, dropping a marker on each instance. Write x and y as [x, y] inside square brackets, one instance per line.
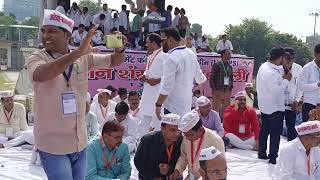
[151, 93]
[61, 9]
[292, 162]
[154, 27]
[270, 88]
[86, 19]
[180, 70]
[115, 23]
[108, 20]
[204, 44]
[224, 45]
[75, 15]
[97, 20]
[78, 37]
[175, 21]
[291, 92]
[117, 99]
[308, 82]
[97, 38]
[123, 20]
[102, 112]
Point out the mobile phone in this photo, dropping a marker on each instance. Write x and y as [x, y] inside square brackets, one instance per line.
[113, 41]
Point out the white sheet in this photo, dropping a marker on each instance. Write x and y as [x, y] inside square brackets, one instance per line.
[15, 165]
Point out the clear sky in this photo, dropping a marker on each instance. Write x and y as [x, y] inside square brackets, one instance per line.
[289, 16]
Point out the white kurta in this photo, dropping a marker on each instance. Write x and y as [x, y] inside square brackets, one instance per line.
[75, 15]
[78, 37]
[130, 130]
[150, 93]
[17, 120]
[102, 116]
[292, 162]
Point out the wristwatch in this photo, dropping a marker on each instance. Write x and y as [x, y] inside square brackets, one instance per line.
[158, 105]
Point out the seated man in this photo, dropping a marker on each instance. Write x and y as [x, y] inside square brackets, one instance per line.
[300, 158]
[102, 105]
[134, 101]
[107, 156]
[213, 164]
[12, 117]
[122, 115]
[91, 120]
[158, 152]
[210, 118]
[249, 94]
[97, 39]
[78, 35]
[241, 124]
[122, 95]
[197, 137]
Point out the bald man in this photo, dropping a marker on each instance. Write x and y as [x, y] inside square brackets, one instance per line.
[213, 164]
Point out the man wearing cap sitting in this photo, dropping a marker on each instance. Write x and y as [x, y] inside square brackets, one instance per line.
[60, 82]
[91, 120]
[213, 164]
[241, 124]
[196, 137]
[12, 117]
[158, 152]
[122, 115]
[249, 94]
[102, 105]
[300, 158]
[108, 157]
[209, 117]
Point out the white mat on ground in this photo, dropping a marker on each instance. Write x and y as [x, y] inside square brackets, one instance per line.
[15, 165]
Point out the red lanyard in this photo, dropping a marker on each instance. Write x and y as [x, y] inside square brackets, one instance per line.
[193, 156]
[105, 159]
[8, 114]
[104, 114]
[169, 152]
[151, 61]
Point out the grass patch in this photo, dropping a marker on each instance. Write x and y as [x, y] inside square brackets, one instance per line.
[5, 83]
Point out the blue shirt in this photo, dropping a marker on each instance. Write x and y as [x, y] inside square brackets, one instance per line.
[168, 21]
[96, 168]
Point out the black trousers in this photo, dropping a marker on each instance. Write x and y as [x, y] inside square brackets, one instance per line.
[306, 108]
[271, 124]
[290, 117]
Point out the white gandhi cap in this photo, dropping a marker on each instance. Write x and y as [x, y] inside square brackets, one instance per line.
[209, 153]
[308, 127]
[55, 18]
[203, 101]
[172, 119]
[188, 121]
[4, 94]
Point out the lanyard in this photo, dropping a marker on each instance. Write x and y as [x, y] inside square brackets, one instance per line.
[193, 156]
[225, 69]
[179, 48]
[65, 75]
[169, 152]
[154, 57]
[318, 72]
[308, 165]
[105, 159]
[8, 114]
[104, 114]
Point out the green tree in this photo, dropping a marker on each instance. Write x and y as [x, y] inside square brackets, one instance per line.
[255, 38]
[196, 28]
[33, 21]
[7, 20]
[93, 6]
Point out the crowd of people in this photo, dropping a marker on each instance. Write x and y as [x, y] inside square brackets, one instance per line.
[110, 20]
[170, 128]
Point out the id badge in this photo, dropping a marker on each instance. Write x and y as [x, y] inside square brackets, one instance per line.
[226, 81]
[242, 128]
[9, 132]
[69, 104]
